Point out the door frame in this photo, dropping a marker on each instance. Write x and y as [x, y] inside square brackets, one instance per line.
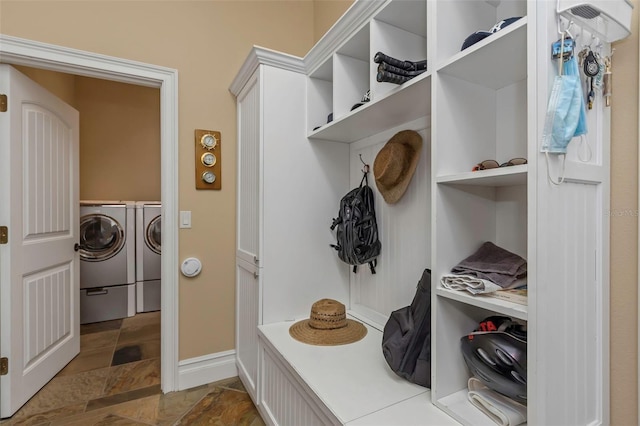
[19, 51]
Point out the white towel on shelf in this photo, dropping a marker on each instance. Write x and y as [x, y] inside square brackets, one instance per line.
[502, 410]
[473, 285]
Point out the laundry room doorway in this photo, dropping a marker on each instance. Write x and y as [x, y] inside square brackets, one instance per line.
[37, 55]
[119, 184]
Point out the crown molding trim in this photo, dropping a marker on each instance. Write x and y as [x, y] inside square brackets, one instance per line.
[351, 22]
[263, 56]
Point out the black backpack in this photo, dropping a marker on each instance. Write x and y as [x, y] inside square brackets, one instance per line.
[406, 339]
[357, 229]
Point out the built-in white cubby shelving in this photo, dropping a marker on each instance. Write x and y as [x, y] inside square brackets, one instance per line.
[349, 72]
[486, 102]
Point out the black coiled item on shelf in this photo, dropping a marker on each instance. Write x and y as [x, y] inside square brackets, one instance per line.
[405, 65]
[383, 66]
[388, 77]
[392, 70]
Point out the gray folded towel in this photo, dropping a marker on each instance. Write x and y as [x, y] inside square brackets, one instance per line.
[493, 263]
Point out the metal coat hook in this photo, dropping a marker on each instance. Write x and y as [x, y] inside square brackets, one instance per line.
[365, 169]
[590, 45]
[566, 30]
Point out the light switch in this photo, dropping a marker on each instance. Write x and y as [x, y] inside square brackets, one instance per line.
[185, 219]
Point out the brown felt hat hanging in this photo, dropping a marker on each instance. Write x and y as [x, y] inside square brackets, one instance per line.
[328, 325]
[395, 164]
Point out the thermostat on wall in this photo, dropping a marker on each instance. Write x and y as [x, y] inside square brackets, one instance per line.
[191, 267]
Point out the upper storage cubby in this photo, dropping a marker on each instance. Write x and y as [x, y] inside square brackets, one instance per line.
[475, 123]
[399, 31]
[338, 88]
[481, 95]
[457, 20]
[320, 95]
[351, 73]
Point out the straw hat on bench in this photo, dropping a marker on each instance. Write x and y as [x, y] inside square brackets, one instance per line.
[328, 325]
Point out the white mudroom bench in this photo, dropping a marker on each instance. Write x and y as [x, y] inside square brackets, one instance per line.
[350, 384]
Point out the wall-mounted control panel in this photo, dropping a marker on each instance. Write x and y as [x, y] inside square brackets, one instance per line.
[208, 159]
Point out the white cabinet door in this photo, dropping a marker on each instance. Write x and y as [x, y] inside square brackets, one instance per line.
[247, 321]
[249, 173]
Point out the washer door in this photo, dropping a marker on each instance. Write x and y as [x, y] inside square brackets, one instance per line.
[153, 236]
[101, 237]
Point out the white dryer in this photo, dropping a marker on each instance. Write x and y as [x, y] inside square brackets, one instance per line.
[148, 255]
[107, 260]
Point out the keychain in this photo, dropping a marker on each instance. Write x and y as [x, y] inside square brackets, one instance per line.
[606, 81]
[591, 67]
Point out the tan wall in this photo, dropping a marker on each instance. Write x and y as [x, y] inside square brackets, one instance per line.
[60, 84]
[119, 140]
[119, 134]
[326, 13]
[206, 42]
[205, 102]
[624, 230]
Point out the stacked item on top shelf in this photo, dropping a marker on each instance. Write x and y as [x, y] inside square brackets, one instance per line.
[491, 268]
[481, 35]
[392, 70]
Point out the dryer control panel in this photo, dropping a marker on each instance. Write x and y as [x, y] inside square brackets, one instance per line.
[208, 159]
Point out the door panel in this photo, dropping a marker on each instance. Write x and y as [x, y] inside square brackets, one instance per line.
[47, 322]
[250, 170]
[47, 152]
[39, 269]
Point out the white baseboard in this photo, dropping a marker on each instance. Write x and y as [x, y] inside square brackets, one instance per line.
[205, 369]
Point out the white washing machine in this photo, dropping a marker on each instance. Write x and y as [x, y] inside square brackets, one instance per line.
[107, 260]
[148, 255]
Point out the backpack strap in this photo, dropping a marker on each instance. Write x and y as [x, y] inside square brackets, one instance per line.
[372, 265]
[365, 179]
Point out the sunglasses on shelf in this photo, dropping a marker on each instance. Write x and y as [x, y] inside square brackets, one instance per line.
[493, 164]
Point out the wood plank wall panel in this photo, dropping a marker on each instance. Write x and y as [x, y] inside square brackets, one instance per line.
[571, 316]
[249, 157]
[404, 231]
[247, 338]
[281, 398]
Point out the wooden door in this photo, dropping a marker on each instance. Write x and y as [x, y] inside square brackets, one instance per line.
[39, 269]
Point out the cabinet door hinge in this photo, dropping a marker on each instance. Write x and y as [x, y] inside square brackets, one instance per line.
[3, 103]
[4, 366]
[4, 235]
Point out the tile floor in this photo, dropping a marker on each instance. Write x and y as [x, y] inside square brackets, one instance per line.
[115, 380]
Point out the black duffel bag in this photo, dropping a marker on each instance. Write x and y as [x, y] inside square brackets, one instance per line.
[406, 339]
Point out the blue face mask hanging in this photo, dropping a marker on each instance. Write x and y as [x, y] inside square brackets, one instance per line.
[566, 116]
